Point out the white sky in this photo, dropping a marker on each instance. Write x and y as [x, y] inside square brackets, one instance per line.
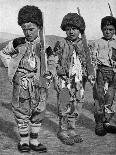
[54, 11]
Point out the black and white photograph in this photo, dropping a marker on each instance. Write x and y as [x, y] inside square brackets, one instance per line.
[58, 77]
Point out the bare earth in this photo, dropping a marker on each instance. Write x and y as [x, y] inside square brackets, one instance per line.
[92, 144]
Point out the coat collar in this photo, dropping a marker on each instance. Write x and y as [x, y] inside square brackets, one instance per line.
[37, 40]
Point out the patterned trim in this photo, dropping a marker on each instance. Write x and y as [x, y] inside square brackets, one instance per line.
[24, 135]
[33, 135]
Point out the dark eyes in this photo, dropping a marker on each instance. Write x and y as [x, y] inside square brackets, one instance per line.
[31, 29]
[28, 29]
[108, 29]
[73, 28]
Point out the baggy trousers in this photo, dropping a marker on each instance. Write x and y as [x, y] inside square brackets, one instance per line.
[68, 99]
[28, 105]
[104, 101]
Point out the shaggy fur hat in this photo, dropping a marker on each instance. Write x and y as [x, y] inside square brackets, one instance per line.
[108, 20]
[30, 14]
[73, 19]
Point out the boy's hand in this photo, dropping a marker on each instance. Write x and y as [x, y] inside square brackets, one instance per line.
[91, 79]
[51, 60]
[48, 75]
[52, 65]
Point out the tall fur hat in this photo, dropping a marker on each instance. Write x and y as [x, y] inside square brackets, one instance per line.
[108, 20]
[73, 19]
[30, 14]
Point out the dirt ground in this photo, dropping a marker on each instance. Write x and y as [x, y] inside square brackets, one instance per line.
[91, 145]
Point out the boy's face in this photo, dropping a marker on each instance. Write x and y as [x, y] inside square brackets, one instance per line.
[72, 33]
[108, 31]
[30, 31]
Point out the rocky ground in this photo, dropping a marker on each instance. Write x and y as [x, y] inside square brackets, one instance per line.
[91, 145]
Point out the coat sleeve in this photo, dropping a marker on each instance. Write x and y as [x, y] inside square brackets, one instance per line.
[5, 53]
[94, 52]
[59, 59]
[52, 61]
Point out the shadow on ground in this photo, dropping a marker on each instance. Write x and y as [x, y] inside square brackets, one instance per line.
[48, 123]
[7, 128]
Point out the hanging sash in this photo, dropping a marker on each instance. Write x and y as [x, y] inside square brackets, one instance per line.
[75, 68]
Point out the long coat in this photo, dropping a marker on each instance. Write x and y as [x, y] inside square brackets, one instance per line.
[64, 50]
[16, 56]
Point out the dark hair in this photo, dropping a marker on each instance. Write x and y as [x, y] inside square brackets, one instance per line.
[108, 20]
[30, 14]
[73, 19]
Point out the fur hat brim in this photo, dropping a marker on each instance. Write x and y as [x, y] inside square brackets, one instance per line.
[73, 19]
[30, 14]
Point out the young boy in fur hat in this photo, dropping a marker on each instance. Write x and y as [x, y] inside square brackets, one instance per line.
[104, 56]
[69, 69]
[25, 70]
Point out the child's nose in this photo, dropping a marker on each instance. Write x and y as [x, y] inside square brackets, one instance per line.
[71, 30]
[28, 32]
[108, 31]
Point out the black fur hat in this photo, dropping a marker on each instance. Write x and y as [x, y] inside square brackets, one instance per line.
[73, 19]
[30, 14]
[108, 20]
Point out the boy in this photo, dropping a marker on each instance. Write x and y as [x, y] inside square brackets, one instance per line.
[25, 70]
[69, 69]
[104, 55]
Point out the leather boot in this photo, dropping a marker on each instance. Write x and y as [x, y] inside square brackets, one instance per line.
[108, 116]
[109, 128]
[99, 127]
[23, 147]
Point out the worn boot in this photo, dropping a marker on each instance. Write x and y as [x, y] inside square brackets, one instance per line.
[34, 144]
[65, 137]
[99, 127]
[71, 129]
[108, 126]
[63, 133]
